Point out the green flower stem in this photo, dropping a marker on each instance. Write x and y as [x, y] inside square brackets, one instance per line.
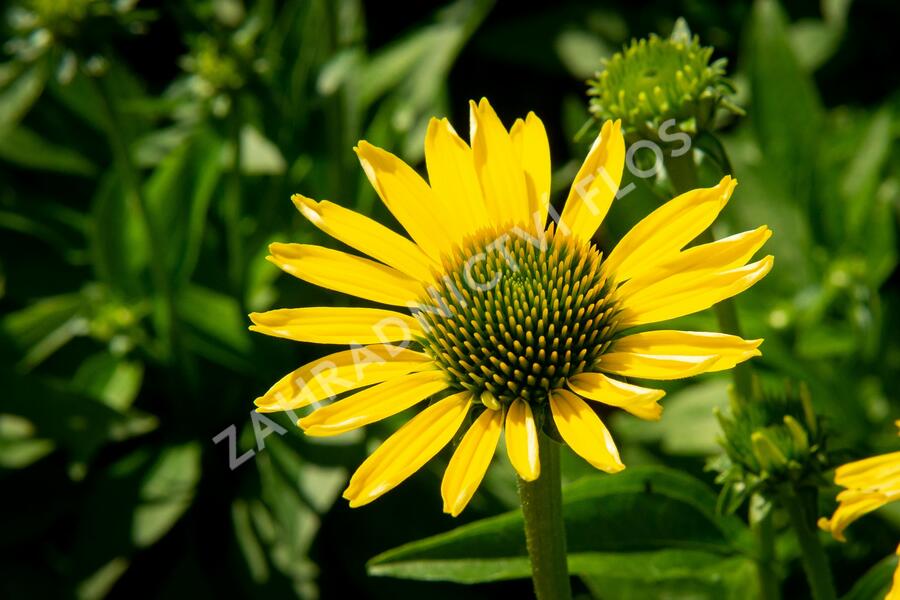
[544, 526]
[164, 313]
[815, 562]
[764, 536]
[682, 171]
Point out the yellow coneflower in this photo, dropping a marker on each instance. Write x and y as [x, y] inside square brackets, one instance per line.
[870, 484]
[516, 324]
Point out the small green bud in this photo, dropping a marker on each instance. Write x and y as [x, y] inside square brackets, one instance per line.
[656, 80]
[767, 453]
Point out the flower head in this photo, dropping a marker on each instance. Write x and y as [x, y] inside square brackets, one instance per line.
[656, 79]
[517, 327]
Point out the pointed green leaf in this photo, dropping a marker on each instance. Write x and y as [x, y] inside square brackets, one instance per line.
[641, 509]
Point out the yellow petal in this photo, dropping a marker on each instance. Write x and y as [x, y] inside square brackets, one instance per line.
[660, 235]
[596, 184]
[849, 510]
[336, 325]
[687, 293]
[722, 255]
[639, 401]
[584, 432]
[409, 199]
[500, 174]
[651, 366]
[373, 404]
[529, 140]
[328, 376]
[522, 440]
[367, 236]
[872, 472]
[407, 450]
[470, 461]
[729, 349]
[451, 172]
[342, 272]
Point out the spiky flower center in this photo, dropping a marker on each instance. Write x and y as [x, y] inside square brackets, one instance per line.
[515, 315]
[656, 79]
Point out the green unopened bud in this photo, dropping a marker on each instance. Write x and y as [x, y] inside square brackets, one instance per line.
[768, 454]
[656, 80]
[798, 436]
[773, 440]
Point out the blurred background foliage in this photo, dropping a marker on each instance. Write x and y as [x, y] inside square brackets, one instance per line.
[148, 151]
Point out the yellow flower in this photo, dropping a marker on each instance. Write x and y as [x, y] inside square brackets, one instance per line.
[870, 484]
[514, 323]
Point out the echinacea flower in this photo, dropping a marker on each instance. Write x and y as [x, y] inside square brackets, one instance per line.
[516, 326]
[870, 484]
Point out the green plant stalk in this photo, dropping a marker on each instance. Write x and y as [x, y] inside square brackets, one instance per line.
[545, 531]
[164, 313]
[764, 536]
[815, 562]
[682, 171]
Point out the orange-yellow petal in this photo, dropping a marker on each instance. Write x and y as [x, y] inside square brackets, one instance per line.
[595, 185]
[659, 236]
[686, 293]
[584, 432]
[729, 349]
[407, 450]
[336, 325]
[367, 236]
[409, 199]
[342, 272]
[331, 375]
[470, 461]
[501, 176]
[451, 173]
[639, 401]
[529, 139]
[373, 404]
[522, 440]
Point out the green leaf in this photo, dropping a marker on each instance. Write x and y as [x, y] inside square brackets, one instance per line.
[165, 493]
[786, 111]
[639, 510]
[75, 423]
[259, 155]
[26, 148]
[137, 501]
[119, 243]
[415, 69]
[113, 380]
[667, 574]
[18, 446]
[18, 96]
[34, 333]
[876, 582]
[178, 194]
[217, 328]
[864, 174]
